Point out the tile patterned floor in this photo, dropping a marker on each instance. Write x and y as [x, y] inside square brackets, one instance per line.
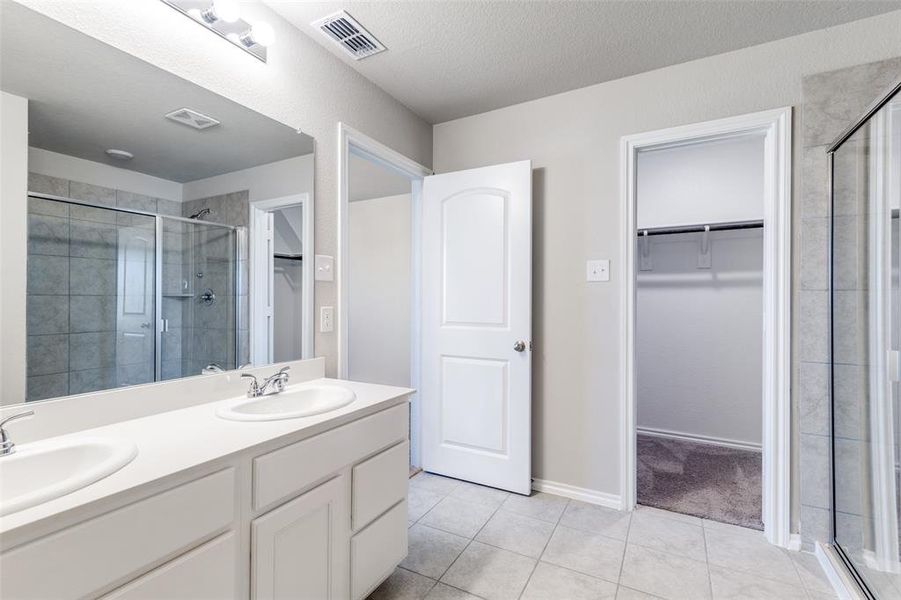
[469, 542]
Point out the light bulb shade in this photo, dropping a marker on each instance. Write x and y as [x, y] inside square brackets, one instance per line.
[262, 33]
[226, 10]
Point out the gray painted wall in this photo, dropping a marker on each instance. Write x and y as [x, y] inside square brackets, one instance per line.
[573, 140]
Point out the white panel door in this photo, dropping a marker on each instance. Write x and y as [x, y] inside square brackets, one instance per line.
[477, 324]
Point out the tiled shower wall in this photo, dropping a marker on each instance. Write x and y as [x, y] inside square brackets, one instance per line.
[832, 102]
[73, 343]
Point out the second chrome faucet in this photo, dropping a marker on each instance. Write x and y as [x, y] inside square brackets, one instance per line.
[271, 385]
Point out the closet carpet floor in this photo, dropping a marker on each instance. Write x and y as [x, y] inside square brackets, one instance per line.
[712, 482]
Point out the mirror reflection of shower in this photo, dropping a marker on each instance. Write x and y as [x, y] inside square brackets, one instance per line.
[136, 315]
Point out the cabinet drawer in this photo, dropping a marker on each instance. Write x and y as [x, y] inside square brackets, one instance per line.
[84, 559]
[205, 573]
[285, 471]
[377, 550]
[379, 483]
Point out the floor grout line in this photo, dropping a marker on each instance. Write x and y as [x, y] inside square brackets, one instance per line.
[543, 549]
[707, 562]
[622, 562]
[797, 583]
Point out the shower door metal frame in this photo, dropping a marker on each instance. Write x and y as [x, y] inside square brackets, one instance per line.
[864, 120]
[238, 240]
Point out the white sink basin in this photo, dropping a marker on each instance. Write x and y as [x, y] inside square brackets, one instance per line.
[45, 470]
[301, 401]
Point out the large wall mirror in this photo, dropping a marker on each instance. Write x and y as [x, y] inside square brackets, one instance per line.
[167, 225]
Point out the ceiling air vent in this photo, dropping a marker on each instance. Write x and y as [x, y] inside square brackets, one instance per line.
[344, 30]
[192, 118]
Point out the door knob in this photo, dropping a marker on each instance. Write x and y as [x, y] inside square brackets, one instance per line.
[519, 346]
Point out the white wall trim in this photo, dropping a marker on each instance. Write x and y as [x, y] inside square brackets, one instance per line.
[577, 493]
[699, 439]
[260, 287]
[351, 141]
[776, 126]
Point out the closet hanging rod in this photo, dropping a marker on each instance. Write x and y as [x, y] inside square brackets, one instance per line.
[733, 225]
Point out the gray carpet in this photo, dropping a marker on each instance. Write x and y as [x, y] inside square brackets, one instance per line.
[703, 480]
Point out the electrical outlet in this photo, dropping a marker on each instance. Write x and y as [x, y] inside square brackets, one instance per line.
[326, 319]
[597, 270]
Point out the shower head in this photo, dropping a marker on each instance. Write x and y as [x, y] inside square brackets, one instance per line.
[200, 213]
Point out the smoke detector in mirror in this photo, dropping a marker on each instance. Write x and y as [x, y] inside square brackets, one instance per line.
[119, 154]
[192, 118]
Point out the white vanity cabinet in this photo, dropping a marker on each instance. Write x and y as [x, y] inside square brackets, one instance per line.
[315, 517]
[296, 548]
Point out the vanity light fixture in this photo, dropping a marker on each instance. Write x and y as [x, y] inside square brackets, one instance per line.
[223, 17]
[225, 10]
[259, 33]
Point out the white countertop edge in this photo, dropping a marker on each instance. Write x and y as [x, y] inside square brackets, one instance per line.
[172, 442]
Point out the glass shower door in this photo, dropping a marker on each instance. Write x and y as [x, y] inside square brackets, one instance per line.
[866, 362]
[198, 303]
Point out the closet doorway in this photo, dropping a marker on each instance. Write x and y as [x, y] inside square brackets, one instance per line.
[706, 336]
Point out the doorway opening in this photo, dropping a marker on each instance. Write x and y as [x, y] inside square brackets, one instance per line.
[378, 274]
[435, 294]
[706, 330]
[281, 279]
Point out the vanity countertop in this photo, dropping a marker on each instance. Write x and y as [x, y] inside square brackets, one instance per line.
[179, 440]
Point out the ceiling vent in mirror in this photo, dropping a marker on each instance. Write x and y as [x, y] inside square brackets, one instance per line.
[345, 31]
[192, 118]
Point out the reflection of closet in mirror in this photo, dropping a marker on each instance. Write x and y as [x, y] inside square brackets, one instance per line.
[699, 324]
[866, 321]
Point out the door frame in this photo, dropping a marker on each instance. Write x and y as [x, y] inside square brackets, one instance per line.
[776, 126]
[260, 262]
[352, 141]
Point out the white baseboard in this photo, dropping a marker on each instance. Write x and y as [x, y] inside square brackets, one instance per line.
[577, 493]
[699, 439]
[845, 588]
[794, 542]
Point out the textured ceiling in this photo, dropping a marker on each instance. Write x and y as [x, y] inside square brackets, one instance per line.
[449, 59]
[99, 97]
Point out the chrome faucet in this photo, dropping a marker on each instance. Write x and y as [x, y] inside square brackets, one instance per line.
[6, 445]
[271, 385]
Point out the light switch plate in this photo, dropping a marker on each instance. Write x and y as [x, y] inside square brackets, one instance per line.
[597, 270]
[326, 319]
[325, 267]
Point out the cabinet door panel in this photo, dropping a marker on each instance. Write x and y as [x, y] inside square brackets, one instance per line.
[298, 548]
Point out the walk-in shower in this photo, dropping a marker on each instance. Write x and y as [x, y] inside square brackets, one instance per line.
[865, 167]
[119, 296]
